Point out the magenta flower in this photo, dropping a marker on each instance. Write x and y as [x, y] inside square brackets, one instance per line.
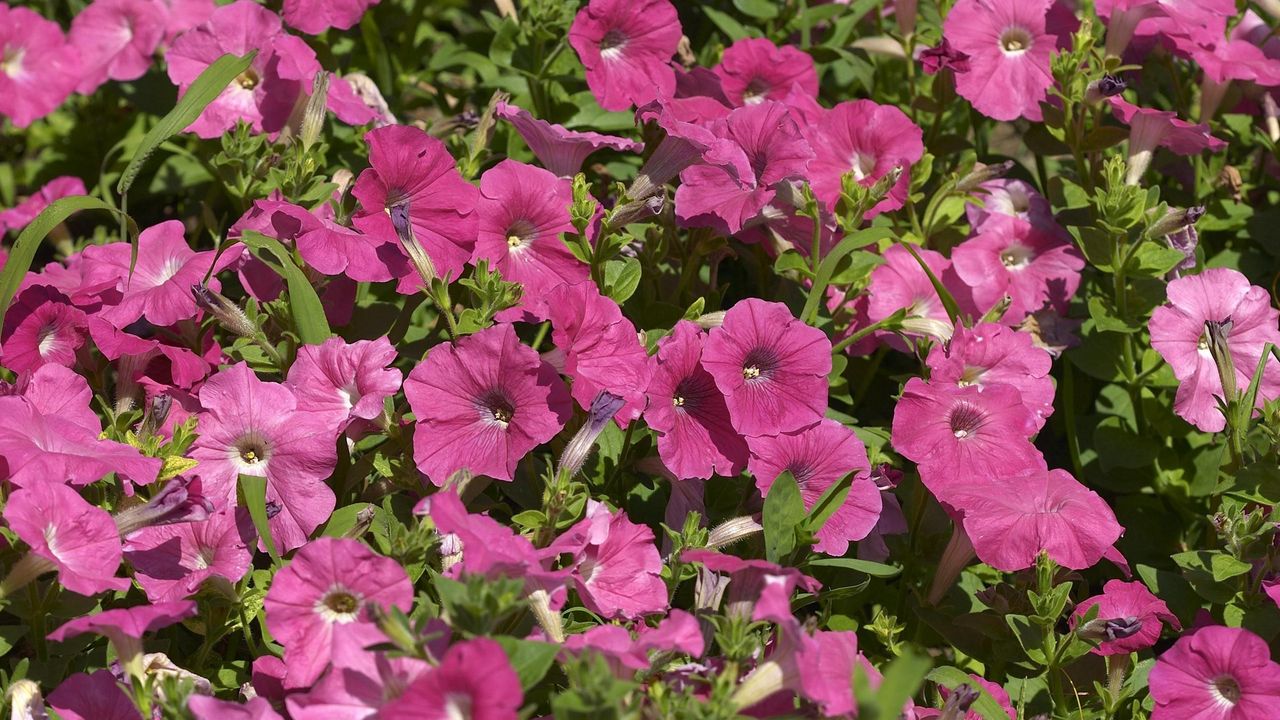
[1016, 198]
[771, 367]
[1216, 672]
[677, 633]
[171, 562]
[154, 357]
[344, 381]
[625, 46]
[1012, 516]
[315, 16]
[77, 539]
[1009, 49]
[410, 169]
[1128, 601]
[960, 434]
[523, 211]
[688, 412]
[203, 707]
[251, 427]
[900, 282]
[990, 354]
[116, 40]
[38, 67]
[616, 567]
[869, 140]
[358, 693]
[818, 457]
[318, 605]
[1150, 129]
[42, 327]
[19, 216]
[600, 346]
[560, 150]
[160, 285]
[482, 404]
[775, 151]
[1181, 332]
[474, 680]
[54, 391]
[123, 625]
[1010, 256]
[325, 245]
[762, 587]
[753, 70]
[92, 697]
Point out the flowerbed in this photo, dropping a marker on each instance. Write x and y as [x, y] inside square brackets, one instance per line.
[637, 359]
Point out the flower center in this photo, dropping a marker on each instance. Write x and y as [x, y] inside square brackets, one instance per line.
[11, 60]
[759, 364]
[965, 420]
[46, 339]
[520, 235]
[496, 408]
[1016, 257]
[863, 166]
[248, 79]
[1225, 690]
[1015, 41]
[204, 558]
[339, 605]
[971, 376]
[612, 44]
[253, 453]
[755, 91]
[457, 706]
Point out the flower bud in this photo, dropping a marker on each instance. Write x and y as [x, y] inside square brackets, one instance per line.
[313, 117]
[227, 313]
[157, 413]
[180, 500]
[548, 619]
[1216, 335]
[603, 408]
[1174, 220]
[958, 702]
[1103, 88]
[982, 173]
[583, 210]
[710, 320]
[1107, 629]
[404, 232]
[733, 530]
[767, 679]
[28, 568]
[26, 702]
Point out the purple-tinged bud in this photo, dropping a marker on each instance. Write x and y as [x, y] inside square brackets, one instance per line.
[982, 173]
[1103, 88]
[886, 476]
[273, 509]
[157, 413]
[575, 454]
[401, 221]
[1109, 629]
[958, 702]
[1174, 220]
[227, 313]
[1215, 338]
[181, 500]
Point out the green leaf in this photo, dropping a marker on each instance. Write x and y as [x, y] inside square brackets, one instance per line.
[308, 312]
[24, 248]
[1153, 259]
[253, 491]
[207, 87]
[850, 243]
[948, 302]
[952, 678]
[866, 567]
[530, 659]
[1225, 567]
[1117, 447]
[759, 9]
[902, 679]
[783, 513]
[343, 520]
[621, 278]
[733, 29]
[829, 502]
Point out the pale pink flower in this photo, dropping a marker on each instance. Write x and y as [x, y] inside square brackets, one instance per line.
[171, 562]
[204, 707]
[116, 40]
[159, 286]
[38, 67]
[1009, 49]
[754, 69]
[346, 381]
[77, 539]
[17, 217]
[1011, 257]
[349, 693]
[1017, 198]
[900, 283]
[677, 633]
[990, 354]
[121, 625]
[761, 586]
[1150, 129]
[1216, 672]
[625, 46]
[616, 567]
[868, 140]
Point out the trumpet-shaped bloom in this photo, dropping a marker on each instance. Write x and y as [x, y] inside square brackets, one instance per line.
[358, 693]
[92, 697]
[990, 354]
[1120, 599]
[251, 427]
[171, 562]
[159, 287]
[616, 567]
[344, 380]
[1017, 198]
[1009, 49]
[818, 457]
[318, 606]
[126, 623]
[625, 46]
[482, 404]
[1216, 672]
[315, 16]
[42, 327]
[687, 410]
[410, 169]
[764, 586]
[1012, 257]
[473, 680]
[560, 150]
[17, 217]
[38, 67]
[868, 140]
[116, 39]
[204, 707]
[325, 245]
[1180, 333]
[771, 367]
[80, 540]
[753, 70]
[900, 283]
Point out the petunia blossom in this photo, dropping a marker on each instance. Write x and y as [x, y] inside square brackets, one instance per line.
[319, 605]
[344, 380]
[1009, 49]
[252, 427]
[315, 16]
[1011, 257]
[71, 536]
[358, 693]
[901, 284]
[116, 40]
[1128, 600]
[159, 284]
[989, 354]
[125, 626]
[754, 69]
[560, 150]
[1215, 672]
[818, 457]
[625, 46]
[1221, 302]
[1150, 129]
[616, 566]
[473, 680]
[688, 412]
[171, 562]
[42, 327]
[96, 696]
[19, 216]
[1006, 196]
[868, 140]
[771, 367]
[38, 67]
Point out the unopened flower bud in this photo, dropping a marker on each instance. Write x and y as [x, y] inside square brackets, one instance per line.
[227, 313]
[26, 702]
[157, 413]
[710, 320]
[982, 173]
[638, 210]
[733, 530]
[1174, 220]
[886, 476]
[583, 210]
[273, 509]
[603, 408]
[180, 500]
[313, 117]
[550, 621]
[1216, 336]
[400, 220]
[958, 702]
[1109, 629]
[767, 679]
[1103, 88]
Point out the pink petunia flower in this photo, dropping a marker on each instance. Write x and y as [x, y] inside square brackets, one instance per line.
[900, 283]
[523, 210]
[265, 94]
[171, 562]
[38, 67]
[818, 457]
[997, 693]
[677, 633]
[1128, 601]
[359, 693]
[753, 70]
[990, 354]
[251, 427]
[42, 327]
[325, 245]
[759, 587]
[124, 627]
[92, 697]
[688, 412]
[315, 16]
[482, 404]
[775, 151]
[409, 169]
[1201, 19]
[869, 140]
[1016, 198]
[159, 286]
[1150, 129]
[318, 606]
[1216, 672]
[560, 150]
[1181, 332]
[203, 707]
[600, 347]
[116, 40]
[1011, 257]
[77, 539]
[346, 381]
[625, 46]
[19, 216]
[960, 434]
[1009, 49]
[54, 391]
[771, 367]
[616, 567]
[1011, 517]
[473, 680]
[159, 357]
